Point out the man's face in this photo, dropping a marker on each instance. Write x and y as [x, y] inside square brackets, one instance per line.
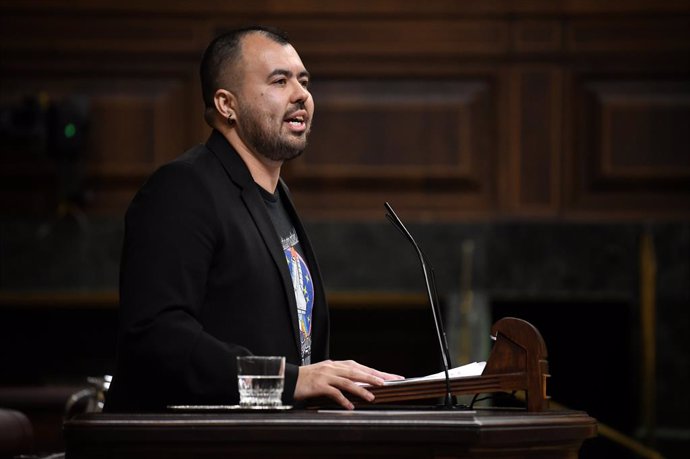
[275, 108]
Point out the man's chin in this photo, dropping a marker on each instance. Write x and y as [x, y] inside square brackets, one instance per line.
[292, 155]
[284, 154]
[293, 149]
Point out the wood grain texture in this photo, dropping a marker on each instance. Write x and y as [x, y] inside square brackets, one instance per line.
[452, 110]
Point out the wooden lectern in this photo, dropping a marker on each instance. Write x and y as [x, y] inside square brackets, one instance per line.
[517, 362]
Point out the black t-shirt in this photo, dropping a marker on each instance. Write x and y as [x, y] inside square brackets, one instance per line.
[299, 271]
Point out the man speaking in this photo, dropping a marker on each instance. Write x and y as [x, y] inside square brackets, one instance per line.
[216, 263]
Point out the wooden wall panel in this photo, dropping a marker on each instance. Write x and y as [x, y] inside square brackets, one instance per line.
[644, 130]
[425, 137]
[134, 125]
[48, 31]
[393, 36]
[537, 36]
[634, 34]
[633, 150]
[536, 139]
[450, 109]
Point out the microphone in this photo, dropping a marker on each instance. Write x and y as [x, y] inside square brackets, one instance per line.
[433, 300]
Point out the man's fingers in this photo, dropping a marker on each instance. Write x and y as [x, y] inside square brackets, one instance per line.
[388, 376]
[345, 385]
[339, 398]
[355, 389]
[380, 375]
[347, 377]
[331, 379]
[333, 387]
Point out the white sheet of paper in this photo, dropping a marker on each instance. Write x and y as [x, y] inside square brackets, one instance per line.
[470, 369]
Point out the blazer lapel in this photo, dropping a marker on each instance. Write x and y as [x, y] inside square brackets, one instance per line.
[239, 173]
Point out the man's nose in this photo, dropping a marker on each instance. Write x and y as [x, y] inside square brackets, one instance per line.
[300, 94]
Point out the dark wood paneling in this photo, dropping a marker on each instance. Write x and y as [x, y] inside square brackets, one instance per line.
[400, 37]
[644, 130]
[449, 109]
[134, 123]
[632, 149]
[536, 140]
[539, 36]
[101, 33]
[629, 34]
[424, 137]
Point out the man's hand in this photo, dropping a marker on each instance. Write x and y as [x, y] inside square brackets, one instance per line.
[330, 378]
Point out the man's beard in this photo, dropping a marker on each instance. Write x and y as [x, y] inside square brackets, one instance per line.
[266, 142]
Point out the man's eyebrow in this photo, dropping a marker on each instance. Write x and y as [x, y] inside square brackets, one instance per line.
[288, 73]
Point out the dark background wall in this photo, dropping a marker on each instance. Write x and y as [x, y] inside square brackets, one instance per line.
[538, 149]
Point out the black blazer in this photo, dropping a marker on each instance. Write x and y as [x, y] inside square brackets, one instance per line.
[204, 279]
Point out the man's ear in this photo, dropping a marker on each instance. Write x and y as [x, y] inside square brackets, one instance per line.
[226, 104]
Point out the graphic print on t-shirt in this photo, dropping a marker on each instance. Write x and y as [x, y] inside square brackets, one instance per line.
[304, 292]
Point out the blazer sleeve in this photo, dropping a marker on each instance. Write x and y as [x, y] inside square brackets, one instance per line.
[165, 356]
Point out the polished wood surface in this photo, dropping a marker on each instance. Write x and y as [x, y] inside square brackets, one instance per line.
[517, 363]
[381, 433]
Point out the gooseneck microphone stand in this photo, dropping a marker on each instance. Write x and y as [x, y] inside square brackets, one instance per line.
[430, 282]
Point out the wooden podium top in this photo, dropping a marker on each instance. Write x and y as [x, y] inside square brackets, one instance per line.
[399, 432]
[517, 362]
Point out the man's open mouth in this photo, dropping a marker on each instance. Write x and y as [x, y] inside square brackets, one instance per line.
[296, 121]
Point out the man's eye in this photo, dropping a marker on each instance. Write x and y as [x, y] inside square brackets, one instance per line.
[304, 83]
[281, 82]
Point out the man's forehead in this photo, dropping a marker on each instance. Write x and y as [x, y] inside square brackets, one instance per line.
[261, 53]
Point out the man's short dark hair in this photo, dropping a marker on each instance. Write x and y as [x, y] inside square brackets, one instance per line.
[224, 51]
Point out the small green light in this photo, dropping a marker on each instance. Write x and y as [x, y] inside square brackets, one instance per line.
[70, 130]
